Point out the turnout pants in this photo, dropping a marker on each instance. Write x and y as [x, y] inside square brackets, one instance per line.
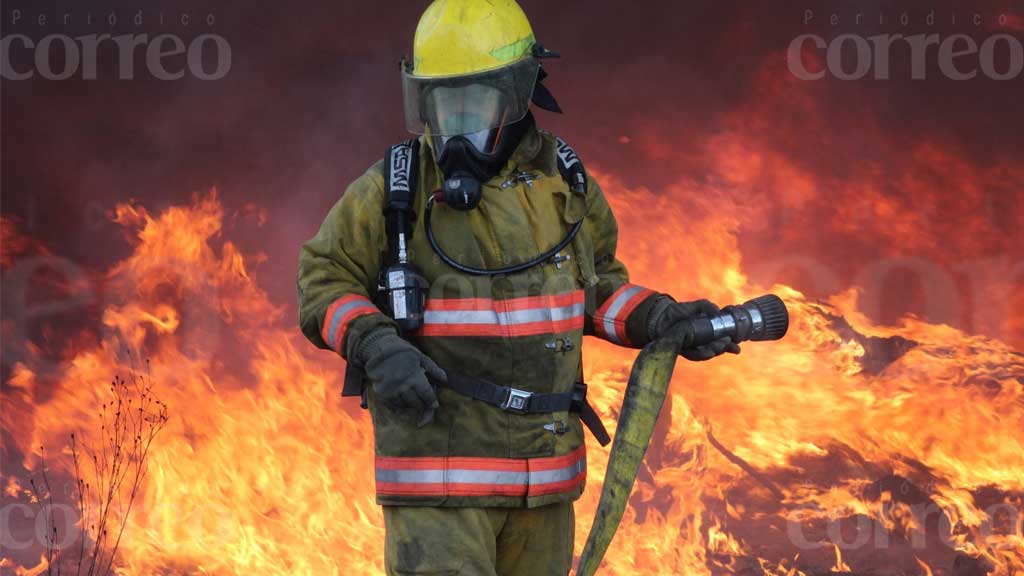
[425, 540]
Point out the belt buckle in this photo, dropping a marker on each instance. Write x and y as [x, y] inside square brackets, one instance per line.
[517, 400]
[579, 397]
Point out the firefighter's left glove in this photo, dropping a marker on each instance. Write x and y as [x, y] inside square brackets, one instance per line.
[398, 372]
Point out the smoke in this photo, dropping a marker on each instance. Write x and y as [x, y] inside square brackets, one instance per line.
[655, 93]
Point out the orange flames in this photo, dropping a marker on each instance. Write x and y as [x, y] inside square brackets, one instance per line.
[848, 446]
[263, 469]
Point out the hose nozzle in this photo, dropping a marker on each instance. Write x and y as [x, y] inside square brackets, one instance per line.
[763, 318]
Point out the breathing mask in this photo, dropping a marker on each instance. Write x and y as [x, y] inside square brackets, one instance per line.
[475, 122]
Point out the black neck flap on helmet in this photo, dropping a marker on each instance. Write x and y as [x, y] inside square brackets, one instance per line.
[542, 96]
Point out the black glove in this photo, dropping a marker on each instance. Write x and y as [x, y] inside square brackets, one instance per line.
[666, 313]
[398, 372]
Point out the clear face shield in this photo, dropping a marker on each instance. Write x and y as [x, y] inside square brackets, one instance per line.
[475, 106]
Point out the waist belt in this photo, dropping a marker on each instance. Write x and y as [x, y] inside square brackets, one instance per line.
[523, 402]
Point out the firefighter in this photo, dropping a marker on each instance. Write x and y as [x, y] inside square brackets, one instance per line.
[470, 363]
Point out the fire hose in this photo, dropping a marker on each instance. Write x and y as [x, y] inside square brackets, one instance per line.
[763, 318]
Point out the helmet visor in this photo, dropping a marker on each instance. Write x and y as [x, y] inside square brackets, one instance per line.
[459, 105]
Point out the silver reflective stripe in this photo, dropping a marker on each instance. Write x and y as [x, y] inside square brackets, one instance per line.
[460, 317]
[508, 318]
[559, 474]
[542, 314]
[411, 476]
[459, 476]
[486, 477]
[608, 321]
[340, 313]
[453, 477]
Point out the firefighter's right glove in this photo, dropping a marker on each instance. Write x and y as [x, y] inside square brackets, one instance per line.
[666, 312]
[398, 372]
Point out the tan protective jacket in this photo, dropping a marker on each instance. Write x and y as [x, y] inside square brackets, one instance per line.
[523, 330]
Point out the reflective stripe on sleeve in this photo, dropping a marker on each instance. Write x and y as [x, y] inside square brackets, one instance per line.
[339, 314]
[610, 318]
[456, 476]
[525, 316]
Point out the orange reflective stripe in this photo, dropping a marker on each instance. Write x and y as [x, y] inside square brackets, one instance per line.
[338, 316]
[460, 304]
[556, 487]
[549, 301]
[526, 316]
[552, 301]
[555, 462]
[463, 462]
[498, 330]
[463, 476]
[454, 489]
[610, 318]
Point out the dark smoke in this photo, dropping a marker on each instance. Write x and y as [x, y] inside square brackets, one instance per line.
[313, 98]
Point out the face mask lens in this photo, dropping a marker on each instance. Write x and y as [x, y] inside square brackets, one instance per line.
[479, 140]
[465, 109]
[483, 142]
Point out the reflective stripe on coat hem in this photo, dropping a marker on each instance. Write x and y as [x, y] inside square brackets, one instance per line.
[463, 476]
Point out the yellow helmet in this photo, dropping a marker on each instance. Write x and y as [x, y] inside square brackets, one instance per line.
[458, 37]
[473, 69]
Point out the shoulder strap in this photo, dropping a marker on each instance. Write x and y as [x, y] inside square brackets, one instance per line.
[401, 176]
[571, 168]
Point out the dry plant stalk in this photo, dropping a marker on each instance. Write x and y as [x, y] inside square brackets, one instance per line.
[108, 475]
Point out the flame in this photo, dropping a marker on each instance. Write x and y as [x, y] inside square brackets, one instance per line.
[840, 565]
[36, 570]
[927, 569]
[908, 430]
[14, 244]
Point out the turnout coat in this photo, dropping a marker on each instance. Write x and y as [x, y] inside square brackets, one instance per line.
[523, 330]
